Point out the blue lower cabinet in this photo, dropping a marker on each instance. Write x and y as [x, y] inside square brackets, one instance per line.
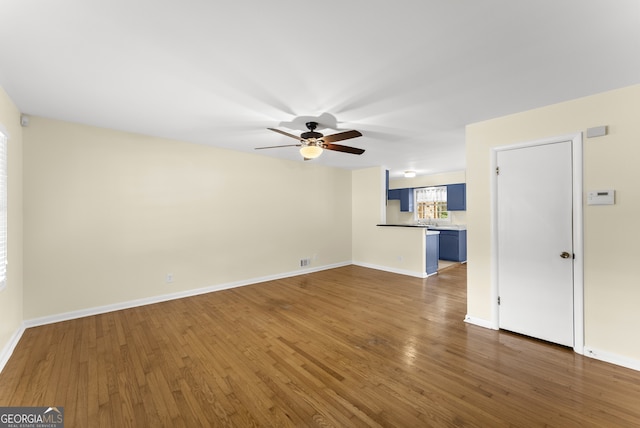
[453, 245]
[433, 253]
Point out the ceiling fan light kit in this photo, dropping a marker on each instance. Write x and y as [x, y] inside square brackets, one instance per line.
[310, 152]
[313, 143]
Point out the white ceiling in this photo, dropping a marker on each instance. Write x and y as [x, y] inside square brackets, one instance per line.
[408, 74]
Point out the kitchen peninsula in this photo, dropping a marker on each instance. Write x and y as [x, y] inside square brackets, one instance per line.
[429, 249]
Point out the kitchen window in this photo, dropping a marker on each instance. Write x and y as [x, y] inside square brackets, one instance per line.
[431, 204]
[3, 210]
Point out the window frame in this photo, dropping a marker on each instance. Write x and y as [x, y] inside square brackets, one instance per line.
[416, 210]
[4, 212]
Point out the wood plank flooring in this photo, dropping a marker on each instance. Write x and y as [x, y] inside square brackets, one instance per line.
[346, 347]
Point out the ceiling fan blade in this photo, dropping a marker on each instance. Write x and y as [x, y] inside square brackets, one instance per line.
[275, 147]
[284, 133]
[341, 136]
[345, 149]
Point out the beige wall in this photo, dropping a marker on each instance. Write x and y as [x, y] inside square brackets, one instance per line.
[11, 296]
[429, 180]
[390, 248]
[610, 235]
[108, 214]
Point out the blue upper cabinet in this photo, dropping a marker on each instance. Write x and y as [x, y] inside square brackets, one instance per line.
[457, 197]
[404, 195]
[386, 183]
[393, 194]
[406, 200]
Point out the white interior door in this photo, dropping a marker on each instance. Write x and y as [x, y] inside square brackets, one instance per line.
[535, 241]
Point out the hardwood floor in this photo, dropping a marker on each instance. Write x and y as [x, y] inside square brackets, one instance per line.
[345, 347]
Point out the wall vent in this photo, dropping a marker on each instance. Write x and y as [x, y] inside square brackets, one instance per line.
[305, 262]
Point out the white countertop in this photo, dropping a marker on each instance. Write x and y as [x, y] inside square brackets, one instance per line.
[429, 226]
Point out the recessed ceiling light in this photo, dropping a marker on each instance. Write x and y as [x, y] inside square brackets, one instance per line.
[409, 174]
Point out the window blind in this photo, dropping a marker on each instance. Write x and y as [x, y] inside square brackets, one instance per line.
[3, 210]
[431, 194]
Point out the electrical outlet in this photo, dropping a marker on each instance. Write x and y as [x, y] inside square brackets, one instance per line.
[169, 278]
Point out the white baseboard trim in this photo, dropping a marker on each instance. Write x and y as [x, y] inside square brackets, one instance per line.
[392, 270]
[479, 322]
[172, 296]
[597, 354]
[609, 357]
[6, 352]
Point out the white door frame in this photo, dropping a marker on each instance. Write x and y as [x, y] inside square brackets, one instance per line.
[578, 237]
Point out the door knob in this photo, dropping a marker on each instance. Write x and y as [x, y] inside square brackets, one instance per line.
[565, 255]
